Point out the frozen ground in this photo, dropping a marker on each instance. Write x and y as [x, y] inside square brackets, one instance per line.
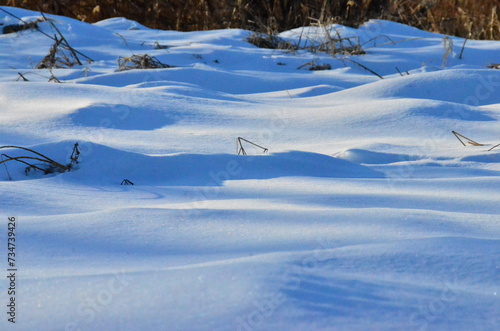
[366, 214]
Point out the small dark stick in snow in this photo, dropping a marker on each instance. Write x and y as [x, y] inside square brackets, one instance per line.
[241, 151]
[492, 148]
[75, 154]
[469, 141]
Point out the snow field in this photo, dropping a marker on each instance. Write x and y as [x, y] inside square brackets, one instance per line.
[366, 214]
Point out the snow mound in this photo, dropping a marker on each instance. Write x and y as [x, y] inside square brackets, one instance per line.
[370, 157]
[369, 214]
[106, 166]
[470, 87]
[242, 82]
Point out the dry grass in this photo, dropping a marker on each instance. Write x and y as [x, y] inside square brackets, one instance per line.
[57, 57]
[465, 18]
[263, 40]
[315, 66]
[144, 61]
[46, 164]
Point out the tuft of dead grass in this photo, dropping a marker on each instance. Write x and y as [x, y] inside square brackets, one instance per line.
[59, 57]
[325, 39]
[144, 61]
[263, 40]
[315, 66]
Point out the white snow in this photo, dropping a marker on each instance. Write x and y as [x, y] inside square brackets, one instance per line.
[366, 214]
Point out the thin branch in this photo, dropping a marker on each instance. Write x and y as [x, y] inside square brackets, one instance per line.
[364, 67]
[47, 159]
[22, 76]
[463, 47]
[470, 141]
[20, 158]
[5, 165]
[493, 147]
[241, 150]
[126, 43]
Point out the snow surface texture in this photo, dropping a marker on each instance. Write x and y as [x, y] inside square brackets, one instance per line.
[366, 214]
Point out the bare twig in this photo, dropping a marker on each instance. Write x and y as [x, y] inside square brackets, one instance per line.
[306, 64]
[22, 76]
[469, 141]
[126, 43]
[5, 165]
[75, 154]
[407, 73]
[492, 148]
[239, 146]
[362, 66]
[463, 47]
[45, 158]
[53, 78]
[20, 158]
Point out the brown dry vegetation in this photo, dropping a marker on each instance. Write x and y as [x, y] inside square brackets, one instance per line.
[464, 18]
